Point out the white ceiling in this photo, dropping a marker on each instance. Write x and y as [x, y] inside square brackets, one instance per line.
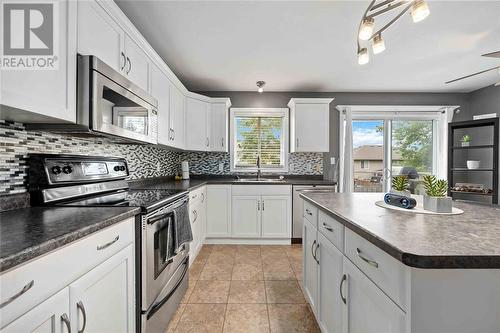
[311, 45]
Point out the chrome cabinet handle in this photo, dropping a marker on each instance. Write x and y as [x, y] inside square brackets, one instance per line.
[258, 204]
[312, 251]
[80, 307]
[124, 60]
[344, 300]
[173, 134]
[371, 262]
[195, 213]
[308, 212]
[327, 227]
[66, 321]
[194, 196]
[202, 197]
[222, 142]
[102, 247]
[262, 204]
[129, 65]
[208, 142]
[297, 142]
[316, 252]
[16, 296]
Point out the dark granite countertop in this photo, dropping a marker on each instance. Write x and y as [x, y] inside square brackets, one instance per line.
[30, 232]
[197, 181]
[468, 240]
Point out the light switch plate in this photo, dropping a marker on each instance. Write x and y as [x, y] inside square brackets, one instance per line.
[221, 166]
[332, 160]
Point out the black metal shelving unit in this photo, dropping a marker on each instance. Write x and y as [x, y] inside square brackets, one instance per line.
[490, 152]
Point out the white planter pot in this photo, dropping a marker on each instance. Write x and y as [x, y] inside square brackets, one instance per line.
[473, 164]
[465, 144]
[438, 204]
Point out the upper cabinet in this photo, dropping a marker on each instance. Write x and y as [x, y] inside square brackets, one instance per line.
[219, 119]
[100, 35]
[177, 117]
[45, 95]
[197, 124]
[309, 124]
[160, 89]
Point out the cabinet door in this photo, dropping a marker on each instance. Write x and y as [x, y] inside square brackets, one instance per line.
[45, 93]
[100, 35]
[137, 64]
[276, 216]
[177, 117]
[51, 316]
[311, 128]
[160, 91]
[310, 269]
[103, 299]
[367, 308]
[246, 216]
[197, 218]
[218, 127]
[330, 276]
[218, 215]
[196, 125]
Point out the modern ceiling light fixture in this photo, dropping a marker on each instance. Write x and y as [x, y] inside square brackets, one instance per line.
[366, 29]
[260, 86]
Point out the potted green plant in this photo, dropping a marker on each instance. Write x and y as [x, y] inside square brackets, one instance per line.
[400, 185]
[435, 199]
[465, 140]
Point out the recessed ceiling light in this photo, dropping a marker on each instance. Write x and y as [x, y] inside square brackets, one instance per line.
[260, 86]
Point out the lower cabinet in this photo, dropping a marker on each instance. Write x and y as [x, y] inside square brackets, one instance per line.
[197, 217]
[276, 216]
[310, 265]
[246, 217]
[51, 316]
[330, 299]
[103, 299]
[367, 309]
[218, 216]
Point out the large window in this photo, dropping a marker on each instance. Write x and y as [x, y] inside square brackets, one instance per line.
[259, 133]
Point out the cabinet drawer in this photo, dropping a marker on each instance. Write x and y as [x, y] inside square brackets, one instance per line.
[331, 229]
[311, 213]
[388, 273]
[56, 270]
[276, 189]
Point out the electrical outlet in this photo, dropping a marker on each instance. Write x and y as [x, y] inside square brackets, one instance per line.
[158, 166]
[291, 167]
[221, 166]
[309, 167]
[332, 160]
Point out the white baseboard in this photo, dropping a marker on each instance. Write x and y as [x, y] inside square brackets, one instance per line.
[249, 241]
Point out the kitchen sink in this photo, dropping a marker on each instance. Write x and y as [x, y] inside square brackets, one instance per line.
[261, 180]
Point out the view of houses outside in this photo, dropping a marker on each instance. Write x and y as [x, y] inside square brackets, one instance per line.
[411, 153]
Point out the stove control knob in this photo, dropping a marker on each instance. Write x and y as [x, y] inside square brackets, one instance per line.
[56, 169]
[116, 168]
[122, 168]
[67, 169]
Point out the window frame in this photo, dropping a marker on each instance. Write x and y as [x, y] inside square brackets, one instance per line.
[259, 112]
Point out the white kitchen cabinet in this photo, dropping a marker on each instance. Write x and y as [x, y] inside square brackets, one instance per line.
[276, 217]
[161, 91]
[35, 96]
[197, 217]
[51, 316]
[329, 301]
[310, 265]
[218, 222]
[177, 117]
[197, 125]
[309, 124]
[100, 35]
[137, 64]
[246, 216]
[219, 118]
[367, 308]
[103, 299]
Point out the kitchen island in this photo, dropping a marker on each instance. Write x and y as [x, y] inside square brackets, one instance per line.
[371, 269]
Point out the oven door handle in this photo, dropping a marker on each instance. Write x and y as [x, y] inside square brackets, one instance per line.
[154, 219]
[160, 303]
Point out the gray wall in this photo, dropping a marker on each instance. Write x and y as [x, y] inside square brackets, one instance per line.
[485, 100]
[280, 100]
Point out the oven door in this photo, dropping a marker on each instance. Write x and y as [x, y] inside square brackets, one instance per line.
[159, 264]
[159, 314]
[118, 111]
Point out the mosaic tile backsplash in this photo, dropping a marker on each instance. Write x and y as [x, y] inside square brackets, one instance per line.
[144, 160]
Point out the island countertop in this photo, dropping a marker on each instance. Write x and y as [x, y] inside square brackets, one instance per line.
[468, 240]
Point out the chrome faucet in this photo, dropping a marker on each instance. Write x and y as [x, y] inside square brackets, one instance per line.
[258, 167]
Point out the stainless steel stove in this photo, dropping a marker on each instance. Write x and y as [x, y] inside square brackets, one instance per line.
[163, 231]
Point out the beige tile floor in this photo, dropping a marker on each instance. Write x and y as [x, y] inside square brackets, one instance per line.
[245, 288]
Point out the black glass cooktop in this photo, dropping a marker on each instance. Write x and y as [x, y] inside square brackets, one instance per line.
[146, 199]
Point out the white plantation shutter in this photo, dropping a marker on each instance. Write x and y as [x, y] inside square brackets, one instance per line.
[259, 136]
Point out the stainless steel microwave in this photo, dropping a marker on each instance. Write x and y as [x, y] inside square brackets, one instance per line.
[109, 104]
